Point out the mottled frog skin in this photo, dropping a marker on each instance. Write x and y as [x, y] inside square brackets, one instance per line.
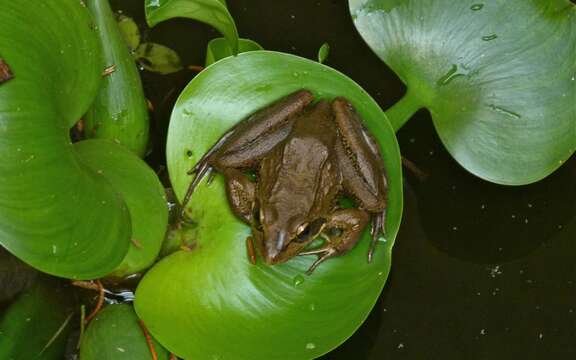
[306, 156]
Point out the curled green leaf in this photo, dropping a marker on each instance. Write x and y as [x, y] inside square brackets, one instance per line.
[120, 111]
[219, 49]
[211, 12]
[498, 77]
[214, 283]
[130, 31]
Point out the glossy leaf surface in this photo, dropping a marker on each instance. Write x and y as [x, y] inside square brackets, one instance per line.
[119, 112]
[56, 213]
[499, 77]
[210, 302]
[114, 334]
[143, 193]
[212, 12]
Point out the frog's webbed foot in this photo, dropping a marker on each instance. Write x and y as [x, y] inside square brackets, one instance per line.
[378, 227]
[323, 255]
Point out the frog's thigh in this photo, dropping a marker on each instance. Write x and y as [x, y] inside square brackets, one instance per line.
[351, 222]
[359, 158]
[241, 194]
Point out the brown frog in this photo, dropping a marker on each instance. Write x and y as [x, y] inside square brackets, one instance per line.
[306, 157]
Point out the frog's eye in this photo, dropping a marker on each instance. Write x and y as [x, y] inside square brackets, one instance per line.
[301, 229]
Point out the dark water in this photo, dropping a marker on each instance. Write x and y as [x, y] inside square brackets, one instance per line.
[479, 271]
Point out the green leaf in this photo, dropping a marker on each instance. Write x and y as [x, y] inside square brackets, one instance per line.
[211, 302]
[130, 31]
[114, 334]
[15, 276]
[323, 52]
[55, 213]
[120, 111]
[219, 49]
[499, 77]
[212, 12]
[146, 201]
[158, 58]
[37, 324]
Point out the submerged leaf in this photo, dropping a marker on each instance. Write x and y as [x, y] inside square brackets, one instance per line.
[499, 77]
[130, 31]
[158, 58]
[37, 324]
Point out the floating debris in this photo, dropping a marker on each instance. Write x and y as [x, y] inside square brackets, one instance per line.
[109, 70]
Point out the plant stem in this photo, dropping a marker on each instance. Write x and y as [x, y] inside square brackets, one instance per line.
[403, 110]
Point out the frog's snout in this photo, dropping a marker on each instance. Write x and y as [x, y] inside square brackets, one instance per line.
[272, 251]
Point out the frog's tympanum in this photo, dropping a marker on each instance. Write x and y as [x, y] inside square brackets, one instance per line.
[306, 157]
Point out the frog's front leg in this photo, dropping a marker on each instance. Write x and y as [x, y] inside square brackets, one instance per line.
[361, 164]
[246, 143]
[342, 231]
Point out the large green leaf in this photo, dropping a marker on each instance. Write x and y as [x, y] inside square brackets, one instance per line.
[498, 76]
[119, 112]
[56, 213]
[114, 334]
[37, 324]
[144, 196]
[211, 303]
[211, 12]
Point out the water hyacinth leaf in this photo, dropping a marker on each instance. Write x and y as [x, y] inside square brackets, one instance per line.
[130, 31]
[120, 111]
[158, 58]
[115, 334]
[211, 12]
[37, 324]
[323, 52]
[214, 283]
[146, 201]
[55, 213]
[219, 49]
[498, 77]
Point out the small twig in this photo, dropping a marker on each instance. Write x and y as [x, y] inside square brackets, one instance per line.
[98, 304]
[137, 244]
[57, 333]
[150, 105]
[148, 340]
[421, 175]
[109, 70]
[82, 325]
[89, 285]
[196, 68]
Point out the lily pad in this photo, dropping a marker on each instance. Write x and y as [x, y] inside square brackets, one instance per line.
[114, 334]
[211, 12]
[210, 302]
[498, 77]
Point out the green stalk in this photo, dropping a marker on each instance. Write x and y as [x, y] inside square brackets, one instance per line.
[403, 110]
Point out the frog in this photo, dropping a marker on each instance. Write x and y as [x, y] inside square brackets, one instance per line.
[305, 156]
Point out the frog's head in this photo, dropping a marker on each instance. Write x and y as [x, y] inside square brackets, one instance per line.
[285, 235]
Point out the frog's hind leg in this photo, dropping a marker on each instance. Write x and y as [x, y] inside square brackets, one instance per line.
[350, 223]
[364, 176]
[246, 143]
